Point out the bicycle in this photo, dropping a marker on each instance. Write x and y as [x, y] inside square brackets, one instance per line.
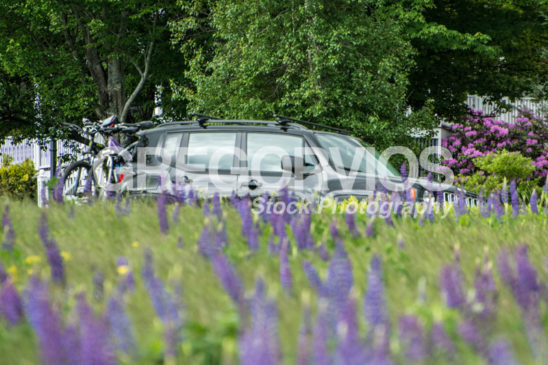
[97, 174]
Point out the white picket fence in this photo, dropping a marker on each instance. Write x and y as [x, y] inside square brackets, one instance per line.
[40, 156]
[480, 103]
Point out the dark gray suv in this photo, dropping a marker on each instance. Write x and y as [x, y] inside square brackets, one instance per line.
[251, 157]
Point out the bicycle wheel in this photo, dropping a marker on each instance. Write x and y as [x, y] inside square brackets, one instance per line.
[79, 183]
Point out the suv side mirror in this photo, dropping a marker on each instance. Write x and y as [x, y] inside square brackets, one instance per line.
[293, 164]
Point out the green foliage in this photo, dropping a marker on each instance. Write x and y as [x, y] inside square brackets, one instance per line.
[498, 168]
[336, 62]
[17, 181]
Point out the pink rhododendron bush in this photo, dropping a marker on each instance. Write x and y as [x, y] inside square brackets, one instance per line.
[480, 136]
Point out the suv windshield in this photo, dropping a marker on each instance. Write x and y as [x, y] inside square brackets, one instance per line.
[348, 154]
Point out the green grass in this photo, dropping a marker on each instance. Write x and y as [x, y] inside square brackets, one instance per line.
[95, 236]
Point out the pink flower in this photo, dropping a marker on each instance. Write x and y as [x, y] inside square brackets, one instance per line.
[530, 142]
[529, 149]
[456, 143]
[522, 119]
[471, 133]
[531, 134]
[503, 132]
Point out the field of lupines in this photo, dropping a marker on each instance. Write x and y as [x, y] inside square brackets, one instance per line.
[210, 283]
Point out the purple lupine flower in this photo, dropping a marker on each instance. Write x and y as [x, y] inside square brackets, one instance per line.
[94, 339]
[263, 207]
[350, 349]
[412, 338]
[301, 231]
[515, 199]
[72, 344]
[485, 207]
[350, 220]
[205, 209]
[57, 192]
[441, 341]
[229, 278]
[259, 343]
[374, 304]
[321, 339]
[7, 226]
[180, 242]
[370, 229]
[164, 305]
[285, 269]
[388, 221]
[499, 210]
[527, 274]
[469, 333]
[500, 353]
[339, 276]
[314, 279]
[45, 322]
[397, 204]
[161, 299]
[451, 284]
[11, 306]
[118, 205]
[120, 326]
[52, 252]
[504, 193]
[162, 213]
[206, 242]
[322, 251]
[272, 246]
[278, 224]
[463, 208]
[98, 285]
[305, 350]
[403, 171]
[533, 202]
[287, 199]
[127, 280]
[485, 290]
[217, 208]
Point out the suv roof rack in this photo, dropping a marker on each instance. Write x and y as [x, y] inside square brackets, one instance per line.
[285, 121]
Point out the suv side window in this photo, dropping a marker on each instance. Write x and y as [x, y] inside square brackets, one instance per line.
[265, 151]
[211, 151]
[171, 150]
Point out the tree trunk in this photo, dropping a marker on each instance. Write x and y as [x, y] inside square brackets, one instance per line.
[115, 87]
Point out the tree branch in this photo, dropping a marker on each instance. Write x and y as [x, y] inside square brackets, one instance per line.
[139, 87]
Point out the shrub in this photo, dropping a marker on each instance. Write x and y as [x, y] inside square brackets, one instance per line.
[496, 168]
[17, 181]
[480, 136]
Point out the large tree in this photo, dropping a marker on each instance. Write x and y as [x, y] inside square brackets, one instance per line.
[333, 61]
[484, 47]
[90, 58]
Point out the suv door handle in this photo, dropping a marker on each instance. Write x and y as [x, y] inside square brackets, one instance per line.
[253, 184]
